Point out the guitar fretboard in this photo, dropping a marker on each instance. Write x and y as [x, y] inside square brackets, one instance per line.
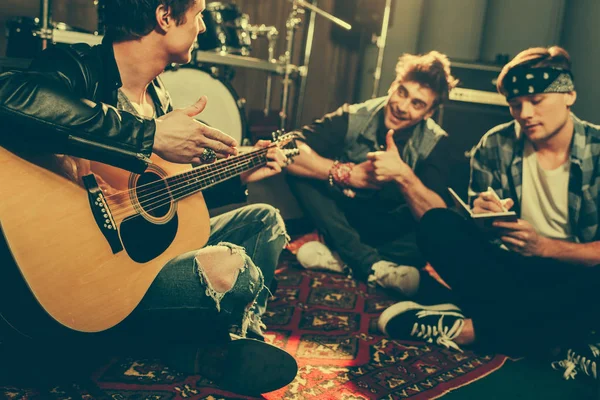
[205, 176]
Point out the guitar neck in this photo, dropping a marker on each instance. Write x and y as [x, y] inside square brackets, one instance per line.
[205, 176]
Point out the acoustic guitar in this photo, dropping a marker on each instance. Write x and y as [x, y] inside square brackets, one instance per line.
[89, 252]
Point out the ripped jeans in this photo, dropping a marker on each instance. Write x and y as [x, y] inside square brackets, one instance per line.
[182, 302]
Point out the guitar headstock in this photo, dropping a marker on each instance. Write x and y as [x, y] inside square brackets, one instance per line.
[287, 143]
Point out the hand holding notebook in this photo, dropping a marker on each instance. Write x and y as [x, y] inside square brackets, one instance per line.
[483, 220]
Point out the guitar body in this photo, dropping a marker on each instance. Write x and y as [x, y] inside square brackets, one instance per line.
[63, 254]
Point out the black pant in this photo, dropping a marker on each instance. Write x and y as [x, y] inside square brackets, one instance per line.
[362, 231]
[518, 304]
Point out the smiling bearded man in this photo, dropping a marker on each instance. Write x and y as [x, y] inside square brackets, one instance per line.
[367, 172]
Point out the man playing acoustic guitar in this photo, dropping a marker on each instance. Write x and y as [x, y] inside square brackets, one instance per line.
[80, 108]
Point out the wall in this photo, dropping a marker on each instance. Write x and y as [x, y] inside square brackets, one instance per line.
[581, 36]
[514, 25]
[476, 31]
[402, 37]
[453, 27]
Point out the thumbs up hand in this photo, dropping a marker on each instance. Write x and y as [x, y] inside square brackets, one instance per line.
[388, 165]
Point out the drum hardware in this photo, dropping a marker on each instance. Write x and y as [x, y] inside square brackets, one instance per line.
[292, 22]
[271, 33]
[207, 57]
[72, 37]
[312, 7]
[46, 14]
[28, 36]
[381, 42]
[232, 36]
[226, 30]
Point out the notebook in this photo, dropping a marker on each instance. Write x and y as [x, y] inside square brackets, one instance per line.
[483, 220]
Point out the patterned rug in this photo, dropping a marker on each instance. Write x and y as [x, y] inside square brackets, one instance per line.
[328, 322]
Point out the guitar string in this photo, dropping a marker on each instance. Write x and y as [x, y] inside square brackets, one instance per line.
[174, 184]
[150, 186]
[217, 168]
[186, 191]
[163, 199]
[282, 141]
[178, 187]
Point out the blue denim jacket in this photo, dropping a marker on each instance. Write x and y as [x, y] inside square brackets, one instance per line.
[498, 163]
[365, 121]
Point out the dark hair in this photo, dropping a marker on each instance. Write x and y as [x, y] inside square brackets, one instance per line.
[431, 70]
[127, 19]
[536, 57]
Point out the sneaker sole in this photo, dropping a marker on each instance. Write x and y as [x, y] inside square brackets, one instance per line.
[404, 306]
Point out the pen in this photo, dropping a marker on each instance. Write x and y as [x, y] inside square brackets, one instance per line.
[489, 189]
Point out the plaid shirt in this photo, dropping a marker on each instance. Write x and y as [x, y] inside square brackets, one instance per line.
[498, 163]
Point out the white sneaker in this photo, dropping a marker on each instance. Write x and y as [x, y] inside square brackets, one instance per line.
[315, 255]
[402, 278]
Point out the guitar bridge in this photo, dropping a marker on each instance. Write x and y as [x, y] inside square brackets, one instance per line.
[102, 213]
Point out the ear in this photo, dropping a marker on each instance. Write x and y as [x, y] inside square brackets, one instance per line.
[163, 18]
[570, 98]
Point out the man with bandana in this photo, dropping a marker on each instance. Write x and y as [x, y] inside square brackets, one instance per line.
[533, 287]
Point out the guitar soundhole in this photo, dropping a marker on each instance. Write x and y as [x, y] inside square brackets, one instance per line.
[148, 234]
[153, 196]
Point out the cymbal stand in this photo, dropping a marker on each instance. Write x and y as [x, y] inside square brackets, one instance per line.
[46, 20]
[290, 25]
[381, 42]
[272, 38]
[271, 33]
[308, 45]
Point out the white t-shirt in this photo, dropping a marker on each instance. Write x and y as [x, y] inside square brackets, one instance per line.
[545, 197]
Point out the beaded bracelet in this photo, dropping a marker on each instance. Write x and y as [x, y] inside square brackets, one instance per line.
[339, 175]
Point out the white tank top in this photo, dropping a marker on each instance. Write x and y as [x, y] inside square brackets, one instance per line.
[545, 197]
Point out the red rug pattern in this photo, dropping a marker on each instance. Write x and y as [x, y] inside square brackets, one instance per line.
[329, 323]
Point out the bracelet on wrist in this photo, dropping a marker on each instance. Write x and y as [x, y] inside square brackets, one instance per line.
[339, 174]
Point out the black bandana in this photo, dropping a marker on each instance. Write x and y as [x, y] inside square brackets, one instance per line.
[526, 81]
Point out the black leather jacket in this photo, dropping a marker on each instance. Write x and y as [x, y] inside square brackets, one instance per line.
[48, 110]
[44, 109]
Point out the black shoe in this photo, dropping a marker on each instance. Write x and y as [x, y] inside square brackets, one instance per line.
[579, 359]
[244, 366]
[440, 323]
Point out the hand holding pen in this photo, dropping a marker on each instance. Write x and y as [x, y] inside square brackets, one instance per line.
[490, 202]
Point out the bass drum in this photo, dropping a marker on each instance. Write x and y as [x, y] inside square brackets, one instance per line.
[224, 109]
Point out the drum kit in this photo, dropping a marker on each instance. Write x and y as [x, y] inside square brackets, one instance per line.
[226, 43]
